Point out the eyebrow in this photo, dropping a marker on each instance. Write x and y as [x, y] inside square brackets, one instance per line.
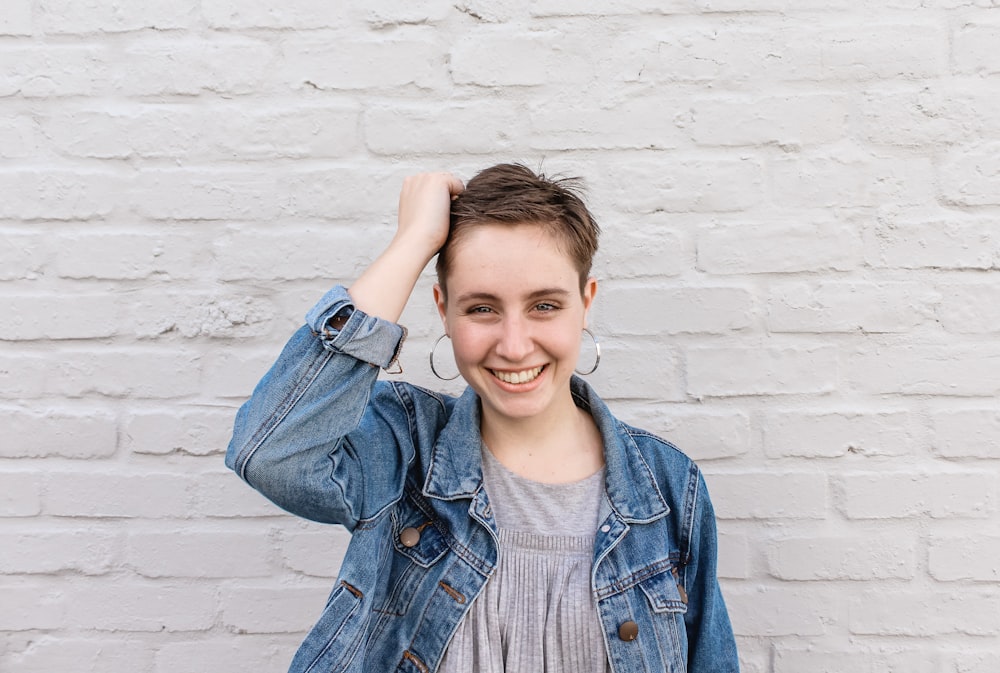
[537, 294]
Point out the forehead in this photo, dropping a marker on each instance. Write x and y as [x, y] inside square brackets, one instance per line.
[517, 253]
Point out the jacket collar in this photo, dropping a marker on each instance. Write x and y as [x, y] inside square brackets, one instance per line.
[456, 472]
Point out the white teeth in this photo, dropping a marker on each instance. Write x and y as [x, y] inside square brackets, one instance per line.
[518, 377]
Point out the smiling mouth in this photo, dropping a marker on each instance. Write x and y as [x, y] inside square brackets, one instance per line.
[523, 376]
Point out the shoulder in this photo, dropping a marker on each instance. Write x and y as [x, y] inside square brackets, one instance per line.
[669, 464]
[401, 390]
[413, 402]
[646, 442]
[653, 445]
[649, 440]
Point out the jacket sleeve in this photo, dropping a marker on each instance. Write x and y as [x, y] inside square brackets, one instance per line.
[319, 436]
[711, 643]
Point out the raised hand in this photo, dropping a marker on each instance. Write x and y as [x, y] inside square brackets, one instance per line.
[424, 215]
[425, 208]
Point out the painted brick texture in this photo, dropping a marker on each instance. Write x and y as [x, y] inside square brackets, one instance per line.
[800, 287]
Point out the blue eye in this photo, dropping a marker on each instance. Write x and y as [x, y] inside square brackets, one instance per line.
[545, 307]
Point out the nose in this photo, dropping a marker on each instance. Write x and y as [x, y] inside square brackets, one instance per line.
[515, 342]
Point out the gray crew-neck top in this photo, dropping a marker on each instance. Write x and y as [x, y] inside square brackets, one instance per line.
[536, 613]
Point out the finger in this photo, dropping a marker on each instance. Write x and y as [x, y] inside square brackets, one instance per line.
[455, 186]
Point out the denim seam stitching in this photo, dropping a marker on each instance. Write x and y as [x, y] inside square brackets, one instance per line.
[282, 409]
[626, 583]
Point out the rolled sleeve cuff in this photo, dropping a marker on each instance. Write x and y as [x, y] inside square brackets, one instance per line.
[364, 337]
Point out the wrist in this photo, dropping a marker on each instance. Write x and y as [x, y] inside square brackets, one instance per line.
[417, 246]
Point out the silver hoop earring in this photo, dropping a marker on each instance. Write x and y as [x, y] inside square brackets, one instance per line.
[597, 349]
[433, 368]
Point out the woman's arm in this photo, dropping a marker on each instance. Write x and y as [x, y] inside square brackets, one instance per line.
[424, 212]
[317, 437]
[711, 644]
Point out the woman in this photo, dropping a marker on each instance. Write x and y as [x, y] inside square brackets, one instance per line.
[518, 527]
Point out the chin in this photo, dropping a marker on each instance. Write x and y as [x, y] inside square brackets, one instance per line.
[530, 405]
[515, 412]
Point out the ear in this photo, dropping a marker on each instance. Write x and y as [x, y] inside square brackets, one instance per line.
[440, 302]
[589, 292]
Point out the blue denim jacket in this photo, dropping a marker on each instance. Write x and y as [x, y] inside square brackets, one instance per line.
[324, 439]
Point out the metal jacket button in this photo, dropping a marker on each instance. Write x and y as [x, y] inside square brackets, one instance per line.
[628, 631]
[409, 537]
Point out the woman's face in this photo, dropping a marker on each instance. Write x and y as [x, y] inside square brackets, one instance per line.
[514, 312]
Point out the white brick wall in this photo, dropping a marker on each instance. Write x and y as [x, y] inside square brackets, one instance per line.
[801, 204]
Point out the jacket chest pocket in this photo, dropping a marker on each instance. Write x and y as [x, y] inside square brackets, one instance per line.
[416, 536]
[664, 593]
[668, 605]
[417, 547]
[643, 614]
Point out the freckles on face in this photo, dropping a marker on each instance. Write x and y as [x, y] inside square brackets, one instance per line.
[514, 312]
[505, 262]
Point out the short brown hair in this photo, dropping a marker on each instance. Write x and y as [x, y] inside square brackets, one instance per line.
[514, 194]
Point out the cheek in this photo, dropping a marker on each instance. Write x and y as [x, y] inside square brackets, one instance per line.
[570, 342]
[468, 343]
[566, 333]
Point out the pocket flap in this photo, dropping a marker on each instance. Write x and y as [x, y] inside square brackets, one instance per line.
[663, 593]
[416, 536]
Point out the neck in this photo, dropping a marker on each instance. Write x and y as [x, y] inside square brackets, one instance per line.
[561, 446]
